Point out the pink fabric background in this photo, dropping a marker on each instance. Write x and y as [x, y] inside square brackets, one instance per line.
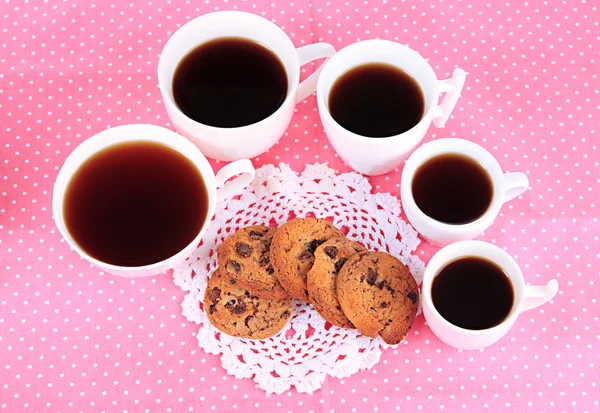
[73, 339]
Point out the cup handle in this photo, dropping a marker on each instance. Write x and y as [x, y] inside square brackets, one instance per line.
[452, 87]
[536, 296]
[225, 189]
[515, 183]
[307, 54]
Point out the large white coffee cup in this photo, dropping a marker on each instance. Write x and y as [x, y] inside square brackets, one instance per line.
[217, 186]
[376, 156]
[525, 297]
[505, 187]
[229, 144]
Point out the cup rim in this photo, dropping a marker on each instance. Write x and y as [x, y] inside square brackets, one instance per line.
[323, 95]
[435, 148]
[466, 246]
[168, 98]
[83, 152]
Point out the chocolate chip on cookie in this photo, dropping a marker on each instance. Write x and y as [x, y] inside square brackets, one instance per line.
[243, 249]
[214, 294]
[256, 235]
[339, 264]
[330, 251]
[233, 267]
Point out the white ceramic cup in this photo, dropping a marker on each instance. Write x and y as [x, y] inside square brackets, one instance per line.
[376, 156]
[525, 297]
[229, 144]
[505, 187]
[216, 186]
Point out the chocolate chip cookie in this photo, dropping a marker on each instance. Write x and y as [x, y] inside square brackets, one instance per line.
[237, 312]
[293, 249]
[379, 295]
[246, 258]
[330, 257]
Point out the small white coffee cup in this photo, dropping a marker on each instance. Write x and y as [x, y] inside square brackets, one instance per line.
[505, 187]
[216, 186]
[525, 297]
[229, 144]
[376, 156]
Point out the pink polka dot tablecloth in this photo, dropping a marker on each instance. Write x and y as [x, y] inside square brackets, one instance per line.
[73, 339]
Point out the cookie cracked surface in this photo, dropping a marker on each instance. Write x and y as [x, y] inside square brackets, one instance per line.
[237, 312]
[379, 295]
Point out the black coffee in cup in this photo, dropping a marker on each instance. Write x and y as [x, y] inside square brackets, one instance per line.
[473, 293]
[452, 188]
[376, 100]
[230, 82]
[136, 203]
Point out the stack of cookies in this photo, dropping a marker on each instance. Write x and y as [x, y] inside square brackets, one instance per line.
[262, 269]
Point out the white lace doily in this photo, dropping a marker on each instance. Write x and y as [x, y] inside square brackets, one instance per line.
[308, 349]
